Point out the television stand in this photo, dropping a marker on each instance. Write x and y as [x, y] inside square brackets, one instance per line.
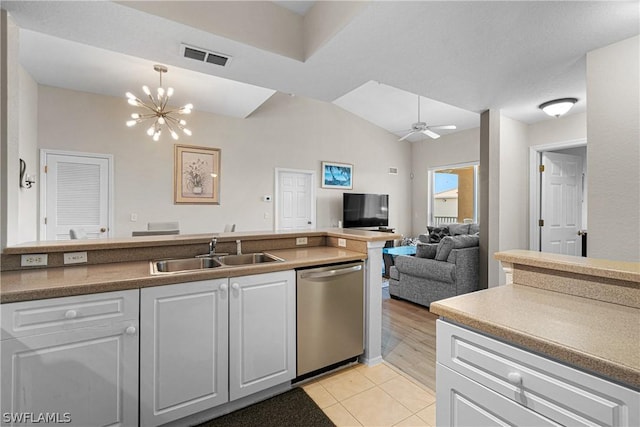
[386, 229]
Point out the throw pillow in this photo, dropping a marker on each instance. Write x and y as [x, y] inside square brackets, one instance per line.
[424, 238]
[426, 250]
[444, 248]
[474, 228]
[456, 229]
[437, 233]
[448, 243]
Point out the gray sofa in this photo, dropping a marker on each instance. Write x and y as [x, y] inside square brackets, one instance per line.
[439, 270]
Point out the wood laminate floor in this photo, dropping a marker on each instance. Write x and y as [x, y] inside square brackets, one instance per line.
[409, 339]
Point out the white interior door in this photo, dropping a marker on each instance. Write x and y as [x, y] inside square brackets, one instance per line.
[561, 203]
[77, 194]
[295, 200]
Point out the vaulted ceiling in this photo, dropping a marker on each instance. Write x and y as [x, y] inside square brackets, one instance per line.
[372, 58]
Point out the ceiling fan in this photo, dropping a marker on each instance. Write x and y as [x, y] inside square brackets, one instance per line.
[421, 127]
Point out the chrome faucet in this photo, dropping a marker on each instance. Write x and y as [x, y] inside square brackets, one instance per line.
[238, 247]
[212, 246]
[212, 249]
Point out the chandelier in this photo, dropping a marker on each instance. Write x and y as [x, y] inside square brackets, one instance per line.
[158, 112]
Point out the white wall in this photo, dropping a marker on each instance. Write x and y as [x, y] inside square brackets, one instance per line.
[563, 129]
[613, 150]
[285, 132]
[452, 149]
[28, 151]
[10, 150]
[514, 185]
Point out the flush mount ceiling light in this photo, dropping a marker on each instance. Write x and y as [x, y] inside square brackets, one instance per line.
[558, 107]
[158, 112]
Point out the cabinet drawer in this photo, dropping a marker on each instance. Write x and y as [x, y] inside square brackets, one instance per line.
[559, 392]
[463, 402]
[27, 318]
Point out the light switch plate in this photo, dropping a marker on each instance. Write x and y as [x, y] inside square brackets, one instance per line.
[75, 257]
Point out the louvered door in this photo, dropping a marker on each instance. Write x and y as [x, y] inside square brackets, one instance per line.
[77, 195]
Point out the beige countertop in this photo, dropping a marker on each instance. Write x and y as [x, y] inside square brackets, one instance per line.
[78, 280]
[182, 239]
[597, 336]
[621, 270]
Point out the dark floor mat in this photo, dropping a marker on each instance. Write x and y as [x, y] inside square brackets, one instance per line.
[291, 409]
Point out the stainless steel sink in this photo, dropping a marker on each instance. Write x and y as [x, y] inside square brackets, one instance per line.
[168, 266]
[247, 259]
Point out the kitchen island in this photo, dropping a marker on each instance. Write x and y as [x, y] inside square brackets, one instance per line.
[560, 316]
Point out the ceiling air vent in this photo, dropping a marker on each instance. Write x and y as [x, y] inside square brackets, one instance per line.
[203, 55]
[393, 171]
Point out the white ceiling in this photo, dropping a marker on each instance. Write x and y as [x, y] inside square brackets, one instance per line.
[470, 55]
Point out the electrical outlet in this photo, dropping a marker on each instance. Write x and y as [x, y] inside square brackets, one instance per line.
[134, 217]
[75, 257]
[301, 241]
[342, 243]
[33, 260]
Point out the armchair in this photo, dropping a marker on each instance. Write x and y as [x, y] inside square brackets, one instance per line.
[452, 271]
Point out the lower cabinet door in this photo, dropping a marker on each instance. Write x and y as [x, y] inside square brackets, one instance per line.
[262, 332]
[81, 377]
[183, 350]
[464, 402]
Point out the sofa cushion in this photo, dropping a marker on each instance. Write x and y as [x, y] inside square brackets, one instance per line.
[456, 229]
[474, 228]
[437, 233]
[448, 243]
[423, 268]
[426, 250]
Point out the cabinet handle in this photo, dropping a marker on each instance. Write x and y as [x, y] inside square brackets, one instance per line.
[515, 378]
[131, 330]
[235, 287]
[71, 314]
[224, 287]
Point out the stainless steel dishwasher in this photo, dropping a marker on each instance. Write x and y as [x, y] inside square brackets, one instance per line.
[330, 314]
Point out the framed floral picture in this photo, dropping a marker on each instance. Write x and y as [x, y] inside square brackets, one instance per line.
[337, 175]
[196, 175]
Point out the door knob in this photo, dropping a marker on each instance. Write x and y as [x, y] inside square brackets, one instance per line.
[102, 230]
[131, 330]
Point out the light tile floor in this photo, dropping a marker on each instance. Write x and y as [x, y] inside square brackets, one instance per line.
[373, 397]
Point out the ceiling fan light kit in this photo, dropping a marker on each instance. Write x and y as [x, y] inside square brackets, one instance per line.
[422, 127]
[156, 110]
[558, 107]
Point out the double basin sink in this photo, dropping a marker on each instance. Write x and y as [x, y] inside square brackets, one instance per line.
[170, 266]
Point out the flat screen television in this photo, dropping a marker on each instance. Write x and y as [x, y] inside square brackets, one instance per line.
[365, 210]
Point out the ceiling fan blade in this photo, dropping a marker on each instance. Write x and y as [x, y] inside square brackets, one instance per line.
[407, 136]
[443, 127]
[431, 133]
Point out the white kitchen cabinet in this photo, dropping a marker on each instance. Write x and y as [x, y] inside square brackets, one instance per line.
[209, 342]
[262, 332]
[183, 349]
[478, 376]
[71, 359]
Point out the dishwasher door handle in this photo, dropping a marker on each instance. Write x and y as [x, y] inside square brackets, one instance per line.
[330, 273]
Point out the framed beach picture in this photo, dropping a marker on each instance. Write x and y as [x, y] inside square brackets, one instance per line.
[196, 175]
[337, 175]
